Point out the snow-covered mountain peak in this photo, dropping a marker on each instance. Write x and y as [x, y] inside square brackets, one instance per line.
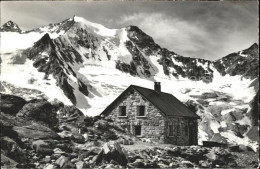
[10, 26]
[98, 28]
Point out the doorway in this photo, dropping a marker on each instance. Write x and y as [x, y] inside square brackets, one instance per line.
[138, 130]
[191, 134]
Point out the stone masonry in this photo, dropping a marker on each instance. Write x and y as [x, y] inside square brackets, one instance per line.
[154, 125]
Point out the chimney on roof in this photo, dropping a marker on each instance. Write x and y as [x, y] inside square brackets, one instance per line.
[157, 86]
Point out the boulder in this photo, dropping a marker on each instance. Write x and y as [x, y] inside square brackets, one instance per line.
[11, 104]
[113, 151]
[7, 122]
[239, 130]
[65, 134]
[81, 165]
[74, 160]
[47, 159]
[220, 156]
[109, 135]
[253, 133]
[65, 146]
[97, 158]
[243, 148]
[42, 147]
[7, 162]
[78, 138]
[193, 153]
[109, 166]
[212, 156]
[218, 138]
[175, 151]
[40, 110]
[50, 166]
[58, 151]
[101, 124]
[205, 163]
[187, 164]
[12, 149]
[173, 165]
[138, 163]
[62, 161]
[69, 165]
[25, 165]
[71, 114]
[35, 131]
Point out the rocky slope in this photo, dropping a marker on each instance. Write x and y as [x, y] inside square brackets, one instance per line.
[70, 140]
[86, 65]
[243, 63]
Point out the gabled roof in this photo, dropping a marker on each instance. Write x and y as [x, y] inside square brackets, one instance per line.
[165, 102]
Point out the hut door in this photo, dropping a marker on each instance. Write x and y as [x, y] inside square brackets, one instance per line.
[138, 130]
[191, 133]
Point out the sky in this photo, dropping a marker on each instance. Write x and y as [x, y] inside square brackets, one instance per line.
[208, 30]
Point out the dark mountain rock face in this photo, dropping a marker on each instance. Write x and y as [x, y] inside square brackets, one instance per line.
[142, 40]
[192, 68]
[243, 63]
[138, 60]
[10, 26]
[56, 63]
[172, 63]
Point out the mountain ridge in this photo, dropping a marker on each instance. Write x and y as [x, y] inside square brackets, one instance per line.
[87, 66]
[130, 28]
[129, 50]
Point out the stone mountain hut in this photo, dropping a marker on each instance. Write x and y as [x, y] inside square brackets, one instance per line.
[154, 115]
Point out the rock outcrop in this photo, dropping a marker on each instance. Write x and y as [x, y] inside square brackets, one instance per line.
[40, 110]
[11, 104]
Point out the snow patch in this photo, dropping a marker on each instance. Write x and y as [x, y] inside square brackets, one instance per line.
[99, 29]
[203, 136]
[23, 73]
[176, 62]
[126, 56]
[243, 55]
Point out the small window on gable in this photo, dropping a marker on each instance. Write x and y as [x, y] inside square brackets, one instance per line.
[132, 91]
[170, 130]
[122, 110]
[140, 110]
